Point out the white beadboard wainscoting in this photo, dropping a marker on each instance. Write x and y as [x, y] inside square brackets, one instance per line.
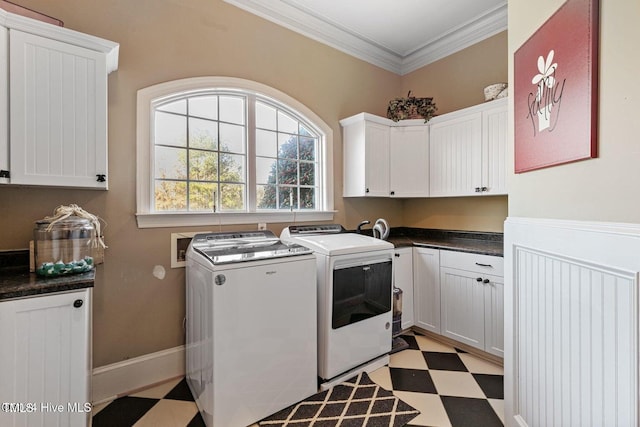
[571, 323]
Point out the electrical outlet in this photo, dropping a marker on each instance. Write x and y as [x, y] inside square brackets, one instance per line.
[262, 226]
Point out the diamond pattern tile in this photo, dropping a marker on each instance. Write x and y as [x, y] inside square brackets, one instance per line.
[450, 388]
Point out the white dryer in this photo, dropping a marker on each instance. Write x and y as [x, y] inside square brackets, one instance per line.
[355, 281]
[251, 326]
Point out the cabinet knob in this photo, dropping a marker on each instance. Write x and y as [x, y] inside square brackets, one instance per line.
[477, 189]
[393, 192]
[396, 255]
[485, 281]
[78, 303]
[366, 190]
[479, 279]
[101, 177]
[484, 189]
[5, 174]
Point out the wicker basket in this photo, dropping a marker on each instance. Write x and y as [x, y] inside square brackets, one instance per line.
[491, 92]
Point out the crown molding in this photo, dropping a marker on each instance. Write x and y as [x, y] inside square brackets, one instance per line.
[288, 15]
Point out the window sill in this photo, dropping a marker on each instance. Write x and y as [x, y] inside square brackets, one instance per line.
[192, 219]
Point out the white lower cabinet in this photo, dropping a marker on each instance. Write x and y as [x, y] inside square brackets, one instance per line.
[45, 362]
[426, 284]
[472, 289]
[403, 279]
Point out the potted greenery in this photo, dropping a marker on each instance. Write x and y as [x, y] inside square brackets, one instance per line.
[411, 108]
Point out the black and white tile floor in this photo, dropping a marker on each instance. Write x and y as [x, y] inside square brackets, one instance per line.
[451, 388]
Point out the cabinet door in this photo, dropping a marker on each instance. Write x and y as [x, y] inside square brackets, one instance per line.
[494, 315]
[45, 358]
[494, 150]
[463, 306]
[376, 160]
[403, 279]
[455, 156]
[426, 283]
[409, 161]
[58, 113]
[4, 105]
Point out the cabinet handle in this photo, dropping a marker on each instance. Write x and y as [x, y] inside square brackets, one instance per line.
[101, 177]
[477, 189]
[484, 265]
[485, 281]
[366, 190]
[5, 174]
[396, 255]
[78, 303]
[479, 279]
[484, 189]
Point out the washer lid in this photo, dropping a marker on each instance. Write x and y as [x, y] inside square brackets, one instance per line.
[339, 244]
[227, 248]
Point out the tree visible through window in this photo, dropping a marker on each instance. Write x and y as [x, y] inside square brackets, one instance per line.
[287, 150]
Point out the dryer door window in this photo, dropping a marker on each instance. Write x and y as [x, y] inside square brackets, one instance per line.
[360, 292]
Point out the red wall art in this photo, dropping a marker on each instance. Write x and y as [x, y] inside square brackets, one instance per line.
[556, 89]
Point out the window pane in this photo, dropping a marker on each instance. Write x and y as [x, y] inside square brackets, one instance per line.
[287, 172]
[266, 143]
[265, 170]
[307, 148]
[204, 106]
[231, 138]
[266, 196]
[170, 195]
[170, 129]
[232, 109]
[203, 165]
[307, 173]
[287, 197]
[170, 163]
[286, 123]
[305, 131]
[232, 168]
[179, 107]
[203, 134]
[307, 198]
[287, 146]
[201, 196]
[232, 197]
[265, 116]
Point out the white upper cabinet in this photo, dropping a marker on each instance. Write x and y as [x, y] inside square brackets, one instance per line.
[383, 158]
[366, 156]
[468, 151]
[57, 104]
[494, 148]
[409, 161]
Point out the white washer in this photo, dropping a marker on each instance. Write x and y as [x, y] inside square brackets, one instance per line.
[251, 344]
[355, 275]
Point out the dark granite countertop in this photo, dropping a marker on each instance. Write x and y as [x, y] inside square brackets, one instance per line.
[17, 282]
[462, 241]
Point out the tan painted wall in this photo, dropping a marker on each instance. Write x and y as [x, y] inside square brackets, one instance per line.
[134, 312]
[605, 188]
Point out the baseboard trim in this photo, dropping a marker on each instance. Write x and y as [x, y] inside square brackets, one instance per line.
[119, 379]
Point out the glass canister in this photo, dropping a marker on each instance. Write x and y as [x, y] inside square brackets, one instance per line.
[64, 247]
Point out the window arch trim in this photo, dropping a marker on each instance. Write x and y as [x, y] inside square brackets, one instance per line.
[150, 96]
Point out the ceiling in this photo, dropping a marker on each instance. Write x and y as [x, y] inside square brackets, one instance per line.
[397, 35]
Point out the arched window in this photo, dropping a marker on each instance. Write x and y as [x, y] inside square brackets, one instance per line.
[217, 150]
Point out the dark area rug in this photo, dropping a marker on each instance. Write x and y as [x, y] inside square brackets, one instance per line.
[357, 402]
